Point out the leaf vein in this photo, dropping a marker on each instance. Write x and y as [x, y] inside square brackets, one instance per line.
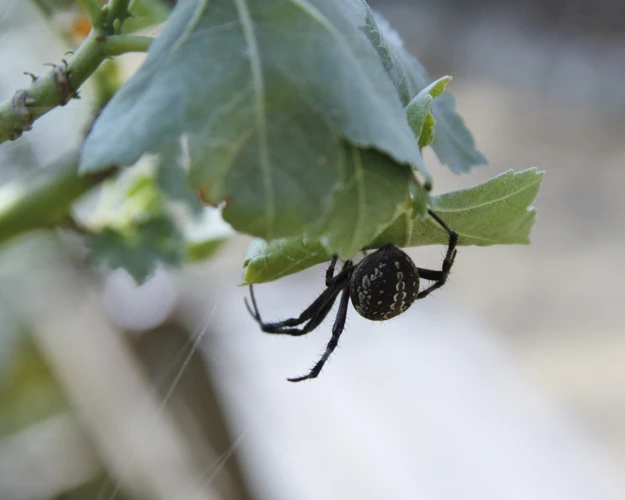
[489, 202]
[261, 112]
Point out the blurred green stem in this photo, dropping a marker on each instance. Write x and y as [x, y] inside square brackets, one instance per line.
[59, 85]
[44, 197]
[117, 13]
[116, 45]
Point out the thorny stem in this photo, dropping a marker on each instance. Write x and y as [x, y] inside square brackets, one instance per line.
[44, 198]
[60, 85]
[47, 92]
[117, 12]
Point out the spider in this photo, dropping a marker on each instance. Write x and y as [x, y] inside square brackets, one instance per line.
[381, 286]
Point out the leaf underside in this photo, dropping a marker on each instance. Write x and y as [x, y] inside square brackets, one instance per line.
[453, 144]
[290, 111]
[496, 212]
[156, 240]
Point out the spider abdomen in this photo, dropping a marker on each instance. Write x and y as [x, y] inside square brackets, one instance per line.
[384, 284]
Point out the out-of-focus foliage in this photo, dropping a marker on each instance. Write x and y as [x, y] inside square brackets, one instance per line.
[28, 390]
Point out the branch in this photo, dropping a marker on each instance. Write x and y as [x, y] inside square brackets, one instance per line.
[117, 14]
[60, 85]
[44, 197]
[49, 91]
[116, 45]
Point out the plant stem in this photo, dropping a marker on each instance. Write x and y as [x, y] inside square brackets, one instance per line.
[116, 45]
[132, 4]
[93, 10]
[61, 84]
[117, 12]
[48, 92]
[44, 197]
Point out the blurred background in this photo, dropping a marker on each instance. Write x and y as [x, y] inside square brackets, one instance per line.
[508, 383]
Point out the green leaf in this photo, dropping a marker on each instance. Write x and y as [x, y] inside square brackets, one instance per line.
[173, 182]
[267, 95]
[374, 193]
[132, 197]
[454, 145]
[427, 132]
[140, 249]
[419, 113]
[266, 262]
[136, 226]
[206, 235]
[495, 212]
[28, 390]
[202, 250]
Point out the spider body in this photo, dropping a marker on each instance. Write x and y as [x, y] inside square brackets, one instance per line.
[383, 285]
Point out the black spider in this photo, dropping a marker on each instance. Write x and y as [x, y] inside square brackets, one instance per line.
[381, 286]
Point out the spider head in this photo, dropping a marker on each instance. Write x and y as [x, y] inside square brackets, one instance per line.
[384, 284]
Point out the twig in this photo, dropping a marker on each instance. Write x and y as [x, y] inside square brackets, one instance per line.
[116, 45]
[117, 14]
[62, 83]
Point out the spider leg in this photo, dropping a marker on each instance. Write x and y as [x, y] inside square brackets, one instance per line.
[330, 270]
[309, 313]
[440, 277]
[314, 314]
[285, 327]
[430, 274]
[337, 330]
